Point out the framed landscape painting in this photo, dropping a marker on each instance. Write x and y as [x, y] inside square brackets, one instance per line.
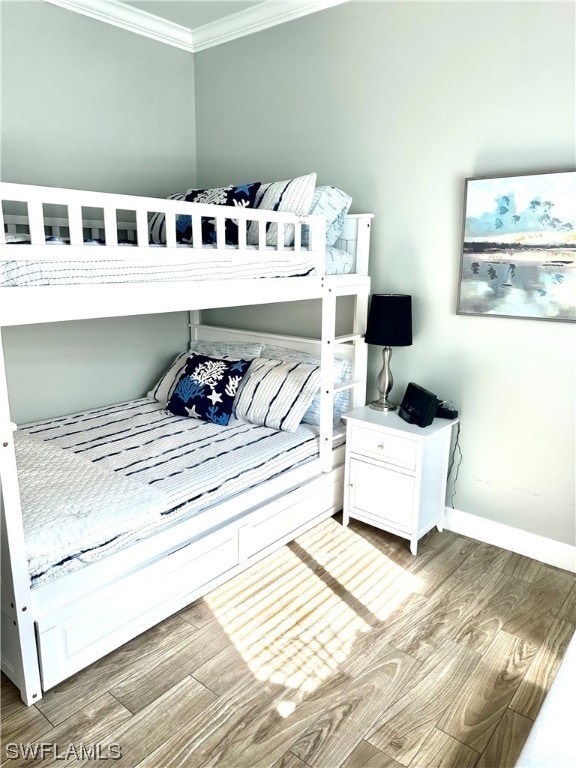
[519, 247]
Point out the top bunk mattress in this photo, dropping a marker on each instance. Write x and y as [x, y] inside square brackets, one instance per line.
[97, 481]
[51, 236]
[174, 266]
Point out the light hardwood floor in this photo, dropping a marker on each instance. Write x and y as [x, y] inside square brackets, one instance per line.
[339, 651]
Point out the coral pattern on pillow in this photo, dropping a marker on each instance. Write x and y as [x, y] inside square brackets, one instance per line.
[207, 388]
[244, 350]
[242, 196]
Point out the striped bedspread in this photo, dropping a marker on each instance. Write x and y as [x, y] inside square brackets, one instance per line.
[162, 269]
[158, 267]
[188, 463]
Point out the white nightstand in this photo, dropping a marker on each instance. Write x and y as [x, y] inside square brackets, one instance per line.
[396, 472]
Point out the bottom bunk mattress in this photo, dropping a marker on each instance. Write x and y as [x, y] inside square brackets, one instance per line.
[96, 481]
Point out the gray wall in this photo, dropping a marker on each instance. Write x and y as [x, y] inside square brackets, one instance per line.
[397, 103]
[90, 106]
[87, 105]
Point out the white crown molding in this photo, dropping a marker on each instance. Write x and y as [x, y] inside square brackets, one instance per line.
[131, 19]
[254, 19]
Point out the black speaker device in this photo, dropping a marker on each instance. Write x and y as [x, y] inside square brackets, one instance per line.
[418, 406]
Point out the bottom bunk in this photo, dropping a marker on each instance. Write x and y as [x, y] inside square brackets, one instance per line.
[131, 512]
[160, 468]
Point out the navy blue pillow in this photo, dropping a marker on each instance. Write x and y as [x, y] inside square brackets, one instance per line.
[207, 387]
[243, 196]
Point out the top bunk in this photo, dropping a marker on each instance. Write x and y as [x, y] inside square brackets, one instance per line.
[70, 254]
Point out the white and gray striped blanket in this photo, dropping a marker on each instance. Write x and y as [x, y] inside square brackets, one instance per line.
[162, 269]
[136, 448]
[157, 267]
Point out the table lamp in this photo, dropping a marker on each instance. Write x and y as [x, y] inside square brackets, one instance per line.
[389, 325]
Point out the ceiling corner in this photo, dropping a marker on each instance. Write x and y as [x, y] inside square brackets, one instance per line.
[248, 21]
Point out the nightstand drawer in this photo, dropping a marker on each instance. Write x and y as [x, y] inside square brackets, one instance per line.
[381, 445]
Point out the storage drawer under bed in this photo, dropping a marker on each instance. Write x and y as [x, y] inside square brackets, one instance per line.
[81, 632]
[262, 531]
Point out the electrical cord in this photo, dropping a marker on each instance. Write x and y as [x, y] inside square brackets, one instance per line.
[452, 460]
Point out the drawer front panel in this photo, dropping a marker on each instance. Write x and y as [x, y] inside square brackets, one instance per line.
[377, 444]
[381, 493]
[257, 536]
[101, 622]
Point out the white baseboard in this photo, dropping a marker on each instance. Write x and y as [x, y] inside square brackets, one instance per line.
[516, 540]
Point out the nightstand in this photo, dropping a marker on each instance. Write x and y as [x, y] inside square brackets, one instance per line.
[396, 473]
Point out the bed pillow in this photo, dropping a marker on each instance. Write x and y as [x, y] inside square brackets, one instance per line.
[207, 388]
[157, 223]
[276, 394]
[340, 407]
[243, 196]
[342, 372]
[339, 262]
[244, 349]
[333, 204]
[163, 389]
[292, 195]
[237, 349]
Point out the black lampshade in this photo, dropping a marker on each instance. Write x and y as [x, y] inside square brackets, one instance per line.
[390, 320]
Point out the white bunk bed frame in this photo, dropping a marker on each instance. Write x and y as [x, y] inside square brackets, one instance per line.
[54, 630]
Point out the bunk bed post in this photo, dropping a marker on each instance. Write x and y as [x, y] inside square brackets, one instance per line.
[3, 226]
[327, 346]
[19, 650]
[194, 320]
[363, 224]
[360, 353]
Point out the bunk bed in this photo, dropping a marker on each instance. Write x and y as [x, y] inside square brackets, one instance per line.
[72, 254]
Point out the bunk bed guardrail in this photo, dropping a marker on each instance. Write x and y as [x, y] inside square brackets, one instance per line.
[77, 214]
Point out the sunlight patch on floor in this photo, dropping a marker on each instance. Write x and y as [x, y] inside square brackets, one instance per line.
[367, 574]
[295, 615]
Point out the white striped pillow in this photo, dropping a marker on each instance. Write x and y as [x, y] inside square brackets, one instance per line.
[164, 388]
[276, 394]
[292, 195]
[157, 223]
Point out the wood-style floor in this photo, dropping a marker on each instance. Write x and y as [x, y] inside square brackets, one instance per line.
[339, 651]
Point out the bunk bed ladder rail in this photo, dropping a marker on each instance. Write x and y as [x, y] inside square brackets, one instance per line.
[357, 384]
[327, 346]
[19, 649]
